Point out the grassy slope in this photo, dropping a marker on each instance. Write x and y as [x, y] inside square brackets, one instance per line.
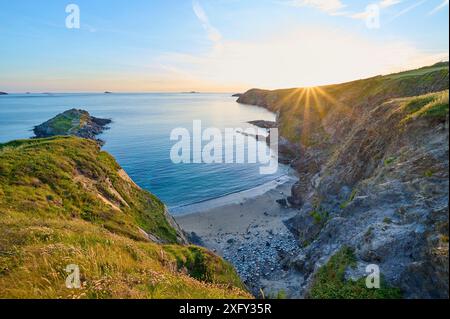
[63, 201]
[302, 111]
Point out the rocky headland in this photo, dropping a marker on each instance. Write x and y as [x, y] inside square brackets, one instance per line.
[73, 122]
[372, 160]
[64, 201]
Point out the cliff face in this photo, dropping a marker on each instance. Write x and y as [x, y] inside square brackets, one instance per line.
[372, 156]
[63, 201]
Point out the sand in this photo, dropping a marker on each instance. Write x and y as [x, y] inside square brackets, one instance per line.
[247, 229]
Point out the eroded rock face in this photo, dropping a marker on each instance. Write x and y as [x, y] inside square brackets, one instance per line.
[394, 214]
[73, 122]
[373, 176]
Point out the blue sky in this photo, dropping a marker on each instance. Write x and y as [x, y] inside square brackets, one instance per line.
[213, 45]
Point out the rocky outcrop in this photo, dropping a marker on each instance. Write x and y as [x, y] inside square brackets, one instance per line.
[73, 122]
[264, 124]
[372, 159]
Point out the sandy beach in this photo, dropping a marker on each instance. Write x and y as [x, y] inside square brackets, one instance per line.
[247, 229]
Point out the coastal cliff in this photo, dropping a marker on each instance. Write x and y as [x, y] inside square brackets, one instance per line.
[372, 159]
[64, 202]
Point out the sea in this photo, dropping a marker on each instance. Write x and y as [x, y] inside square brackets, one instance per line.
[139, 138]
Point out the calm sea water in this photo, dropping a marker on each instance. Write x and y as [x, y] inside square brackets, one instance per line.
[139, 137]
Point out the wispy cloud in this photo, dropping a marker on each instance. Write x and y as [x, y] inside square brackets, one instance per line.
[332, 7]
[388, 3]
[439, 7]
[336, 7]
[213, 34]
[381, 5]
[408, 9]
[298, 57]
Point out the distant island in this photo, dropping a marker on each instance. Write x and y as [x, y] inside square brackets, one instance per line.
[73, 122]
[237, 95]
[3, 93]
[107, 92]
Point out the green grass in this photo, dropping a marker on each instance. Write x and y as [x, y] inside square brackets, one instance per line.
[350, 199]
[77, 175]
[67, 123]
[428, 173]
[320, 216]
[329, 281]
[420, 72]
[62, 124]
[302, 111]
[390, 160]
[64, 201]
[433, 105]
[201, 264]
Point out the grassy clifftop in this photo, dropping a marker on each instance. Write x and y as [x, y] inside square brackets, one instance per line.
[63, 201]
[304, 113]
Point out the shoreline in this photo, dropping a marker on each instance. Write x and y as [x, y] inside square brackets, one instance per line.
[233, 198]
[247, 229]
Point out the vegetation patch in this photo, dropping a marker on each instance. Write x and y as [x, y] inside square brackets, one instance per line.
[203, 265]
[389, 161]
[350, 199]
[433, 105]
[320, 215]
[330, 283]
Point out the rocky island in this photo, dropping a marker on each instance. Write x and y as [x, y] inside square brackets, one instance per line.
[73, 122]
[3, 93]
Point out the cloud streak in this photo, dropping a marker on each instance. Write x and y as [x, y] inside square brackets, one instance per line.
[298, 57]
[381, 5]
[439, 7]
[332, 7]
[213, 34]
[408, 9]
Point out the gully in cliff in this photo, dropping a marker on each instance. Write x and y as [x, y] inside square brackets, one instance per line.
[73, 122]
